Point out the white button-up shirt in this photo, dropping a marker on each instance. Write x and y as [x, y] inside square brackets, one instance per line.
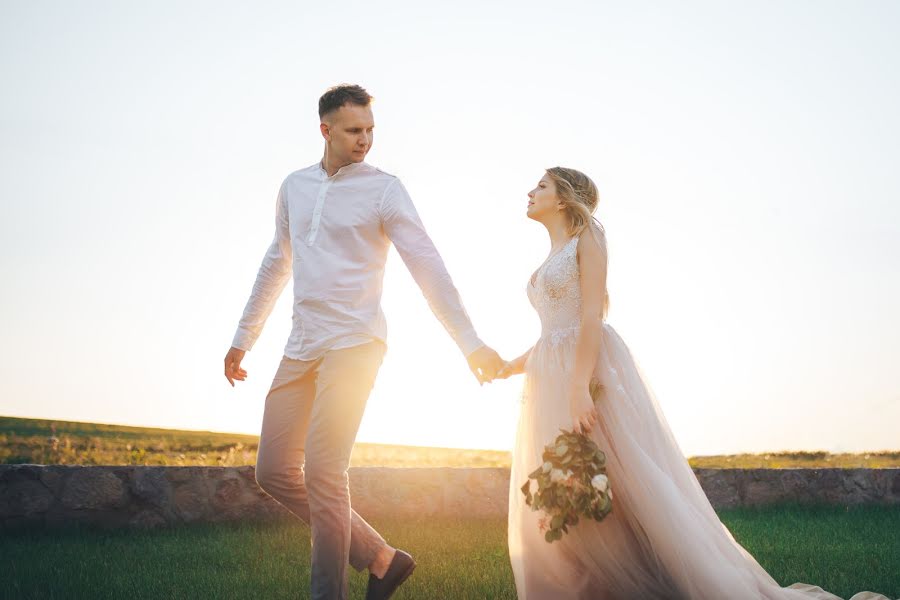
[333, 235]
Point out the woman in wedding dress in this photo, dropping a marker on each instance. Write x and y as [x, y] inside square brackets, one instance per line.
[662, 540]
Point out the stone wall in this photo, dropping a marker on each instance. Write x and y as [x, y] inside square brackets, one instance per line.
[138, 496]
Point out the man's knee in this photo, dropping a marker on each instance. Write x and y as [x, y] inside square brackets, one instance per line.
[327, 479]
[273, 475]
[270, 476]
[265, 476]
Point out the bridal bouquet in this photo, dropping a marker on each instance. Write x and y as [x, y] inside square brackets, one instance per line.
[571, 482]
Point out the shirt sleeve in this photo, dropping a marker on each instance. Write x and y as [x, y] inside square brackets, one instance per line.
[405, 229]
[274, 273]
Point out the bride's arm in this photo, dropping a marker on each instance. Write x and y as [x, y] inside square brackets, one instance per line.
[592, 262]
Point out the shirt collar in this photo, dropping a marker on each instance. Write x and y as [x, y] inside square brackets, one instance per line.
[346, 169]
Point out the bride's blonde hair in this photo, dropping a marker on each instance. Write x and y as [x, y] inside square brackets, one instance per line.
[578, 193]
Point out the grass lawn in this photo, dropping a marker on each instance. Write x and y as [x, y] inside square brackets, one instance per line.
[844, 551]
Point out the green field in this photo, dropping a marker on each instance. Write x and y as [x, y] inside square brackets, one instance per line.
[844, 551]
[41, 441]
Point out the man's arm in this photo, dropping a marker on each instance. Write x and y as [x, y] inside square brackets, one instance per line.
[405, 229]
[274, 273]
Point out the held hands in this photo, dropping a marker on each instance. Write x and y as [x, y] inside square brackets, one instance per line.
[233, 368]
[581, 405]
[484, 364]
[510, 368]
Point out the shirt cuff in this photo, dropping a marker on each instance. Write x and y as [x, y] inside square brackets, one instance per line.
[469, 342]
[243, 340]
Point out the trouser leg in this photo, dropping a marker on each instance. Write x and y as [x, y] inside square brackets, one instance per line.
[345, 379]
[312, 413]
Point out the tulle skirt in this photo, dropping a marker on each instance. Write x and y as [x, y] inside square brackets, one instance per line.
[662, 539]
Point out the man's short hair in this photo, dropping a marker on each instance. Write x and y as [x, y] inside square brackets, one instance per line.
[340, 95]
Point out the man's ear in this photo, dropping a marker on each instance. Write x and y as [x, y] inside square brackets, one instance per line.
[325, 128]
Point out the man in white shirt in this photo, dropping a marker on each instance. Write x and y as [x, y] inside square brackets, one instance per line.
[334, 223]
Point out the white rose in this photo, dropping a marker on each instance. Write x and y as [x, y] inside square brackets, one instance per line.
[556, 475]
[547, 466]
[600, 482]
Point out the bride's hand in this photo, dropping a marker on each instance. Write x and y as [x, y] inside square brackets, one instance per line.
[511, 367]
[507, 370]
[584, 413]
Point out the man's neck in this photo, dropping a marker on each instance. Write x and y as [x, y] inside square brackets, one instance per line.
[331, 165]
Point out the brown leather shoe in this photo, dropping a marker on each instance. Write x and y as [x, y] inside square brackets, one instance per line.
[401, 567]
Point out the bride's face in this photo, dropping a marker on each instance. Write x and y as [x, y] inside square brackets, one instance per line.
[542, 200]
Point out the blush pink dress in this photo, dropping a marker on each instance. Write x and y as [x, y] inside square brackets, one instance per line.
[662, 540]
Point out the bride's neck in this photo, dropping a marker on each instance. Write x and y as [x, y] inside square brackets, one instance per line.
[559, 233]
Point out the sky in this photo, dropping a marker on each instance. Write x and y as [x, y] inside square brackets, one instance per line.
[746, 156]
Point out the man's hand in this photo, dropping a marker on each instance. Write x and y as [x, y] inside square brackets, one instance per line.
[484, 364]
[509, 369]
[233, 368]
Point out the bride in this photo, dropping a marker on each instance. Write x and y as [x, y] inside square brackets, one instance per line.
[662, 539]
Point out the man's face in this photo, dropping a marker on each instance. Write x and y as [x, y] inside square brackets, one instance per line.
[349, 132]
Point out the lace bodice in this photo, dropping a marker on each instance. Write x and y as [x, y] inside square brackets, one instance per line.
[555, 293]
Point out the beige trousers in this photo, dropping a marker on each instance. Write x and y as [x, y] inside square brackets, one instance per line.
[312, 413]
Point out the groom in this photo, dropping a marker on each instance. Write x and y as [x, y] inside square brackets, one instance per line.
[334, 223]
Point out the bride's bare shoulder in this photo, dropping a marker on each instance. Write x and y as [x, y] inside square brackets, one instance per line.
[592, 245]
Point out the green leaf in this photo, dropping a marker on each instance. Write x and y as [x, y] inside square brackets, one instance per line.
[605, 505]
